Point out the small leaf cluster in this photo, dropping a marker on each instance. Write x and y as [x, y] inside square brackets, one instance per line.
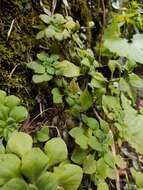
[11, 114]
[24, 167]
[45, 68]
[59, 28]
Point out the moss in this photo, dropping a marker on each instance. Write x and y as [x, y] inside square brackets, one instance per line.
[19, 47]
[82, 12]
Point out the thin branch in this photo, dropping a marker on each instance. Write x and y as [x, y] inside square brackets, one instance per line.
[54, 4]
[11, 27]
[39, 115]
[13, 70]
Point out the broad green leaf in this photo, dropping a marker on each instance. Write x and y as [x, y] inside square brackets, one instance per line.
[94, 143]
[19, 143]
[50, 70]
[36, 67]
[9, 167]
[98, 80]
[85, 62]
[90, 122]
[50, 32]
[133, 130]
[12, 101]
[70, 25]
[15, 184]
[126, 87]
[34, 162]
[104, 125]
[58, 19]
[135, 81]
[78, 155]
[47, 181]
[42, 78]
[69, 176]
[89, 165]
[80, 138]
[2, 96]
[56, 150]
[101, 169]
[4, 111]
[43, 134]
[109, 159]
[19, 113]
[42, 56]
[45, 18]
[59, 36]
[122, 47]
[57, 96]
[40, 34]
[67, 69]
[138, 177]
[102, 185]
[86, 99]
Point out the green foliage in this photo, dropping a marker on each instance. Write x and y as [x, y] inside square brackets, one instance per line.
[11, 114]
[22, 161]
[42, 135]
[58, 27]
[131, 50]
[96, 88]
[50, 66]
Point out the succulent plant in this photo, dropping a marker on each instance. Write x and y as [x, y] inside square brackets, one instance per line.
[24, 167]
[11, 114]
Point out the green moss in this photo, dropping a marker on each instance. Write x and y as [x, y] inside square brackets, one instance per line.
[82, 13]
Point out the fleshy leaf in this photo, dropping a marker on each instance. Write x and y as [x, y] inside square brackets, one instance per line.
[34, 163]
[89, 165]
[15, 184]
[19, 143]
[41, 78]
[12, 101]
[57, 97]
[45, 18]
[94, 143]
[58, 154]
[9, 167]
[102, 185]
[42, 56]
[43, 134]
[78, 155]
[69, 176]
[36, 67]
[47, 181]
[19, 113]
[86, 99]
[67, 69]
[4, 111]
[90, 122]
[2, 96]
[80, 138]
